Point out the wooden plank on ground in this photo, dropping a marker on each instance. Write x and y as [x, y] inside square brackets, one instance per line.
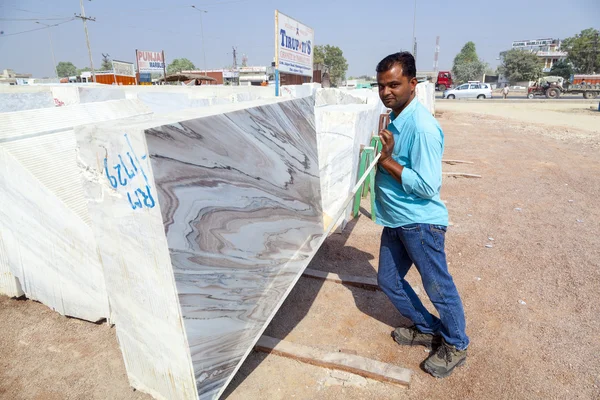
[352, 280]
[452, 162]
[461, 175]
[358, 365]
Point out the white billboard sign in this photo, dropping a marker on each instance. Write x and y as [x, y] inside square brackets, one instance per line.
[123, 68]
[530, 43]
[294, 45]
[149, 61]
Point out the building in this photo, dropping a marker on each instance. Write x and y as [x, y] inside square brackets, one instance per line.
[10, 77]
[253, 75]
[221, 76]
[548, 50]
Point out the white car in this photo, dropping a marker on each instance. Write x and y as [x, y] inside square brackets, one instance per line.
[471, 90]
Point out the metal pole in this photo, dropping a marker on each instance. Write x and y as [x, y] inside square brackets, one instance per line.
[203, 45]
[276, 53]
[164, 67]
[87, 39]
[414, 31]
[202, 34]
[51, 46]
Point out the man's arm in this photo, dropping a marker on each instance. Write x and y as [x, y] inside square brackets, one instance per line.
[424, 178]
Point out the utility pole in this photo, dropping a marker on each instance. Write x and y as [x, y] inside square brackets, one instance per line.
[202, 33]
[436, 56]
[87, 37]
[414, 32]
[234, 58]
[51, 45]
[595, 54]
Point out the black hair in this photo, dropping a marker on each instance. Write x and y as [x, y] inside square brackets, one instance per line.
[404, 58]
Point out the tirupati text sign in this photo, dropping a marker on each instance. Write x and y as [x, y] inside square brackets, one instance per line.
[123, 68]
[150, 61]
[294, 44]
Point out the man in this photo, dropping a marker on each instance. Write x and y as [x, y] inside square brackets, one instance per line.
[408, 205]
[505, 90]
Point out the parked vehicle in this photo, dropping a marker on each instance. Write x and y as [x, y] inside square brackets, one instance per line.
[444, 81]
[552, 87]
[470, 90]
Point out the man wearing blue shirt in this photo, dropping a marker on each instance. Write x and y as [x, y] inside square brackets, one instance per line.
[408, 205]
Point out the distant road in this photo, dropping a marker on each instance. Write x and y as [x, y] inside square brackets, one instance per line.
[520, 96]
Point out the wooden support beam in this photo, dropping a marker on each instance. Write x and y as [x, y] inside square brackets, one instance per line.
[358, 365]
[352, 280]
[461, 175]
[452, 162]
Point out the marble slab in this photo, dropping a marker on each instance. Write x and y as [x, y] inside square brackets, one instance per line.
[10, 102]
[100, 93]
[43, 143]
[425, 93]
[46, 246]
[341, 130]
[205, 221]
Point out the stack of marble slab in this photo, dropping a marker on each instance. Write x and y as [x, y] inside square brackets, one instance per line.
[344, 122]
[204, 221]
[47, 248]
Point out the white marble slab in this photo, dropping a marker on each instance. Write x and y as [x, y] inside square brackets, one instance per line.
[202, 235]
[100, 93]
[341, 130]
[10, 102]
[43, 142]
[47, 247]
[425, 93]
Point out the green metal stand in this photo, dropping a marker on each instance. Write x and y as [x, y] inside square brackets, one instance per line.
[367, 156]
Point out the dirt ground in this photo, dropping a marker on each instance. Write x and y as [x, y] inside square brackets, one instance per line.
[531, 300]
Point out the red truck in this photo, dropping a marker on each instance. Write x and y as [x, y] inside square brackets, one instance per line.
[444, 81]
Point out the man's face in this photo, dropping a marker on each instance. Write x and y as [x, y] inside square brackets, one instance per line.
[395, 89]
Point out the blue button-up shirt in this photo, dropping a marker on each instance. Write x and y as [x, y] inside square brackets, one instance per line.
[419, 145]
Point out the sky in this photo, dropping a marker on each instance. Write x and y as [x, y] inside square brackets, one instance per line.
[366, 31]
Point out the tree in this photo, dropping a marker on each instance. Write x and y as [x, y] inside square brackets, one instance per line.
[64, 69]
[584, 51]
[562, 68]
[80, 70]
[467, 66]
[520, 65]
[332, 58]
[106, 63]
[180, 64]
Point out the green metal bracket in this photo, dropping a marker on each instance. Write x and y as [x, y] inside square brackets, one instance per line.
[367, 156]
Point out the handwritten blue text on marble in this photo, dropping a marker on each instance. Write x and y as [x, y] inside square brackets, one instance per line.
[122, 174]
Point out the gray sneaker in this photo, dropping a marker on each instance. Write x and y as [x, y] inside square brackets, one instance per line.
[411, 336]
[441, 363]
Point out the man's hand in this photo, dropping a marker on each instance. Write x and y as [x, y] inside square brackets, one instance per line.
[387, 145]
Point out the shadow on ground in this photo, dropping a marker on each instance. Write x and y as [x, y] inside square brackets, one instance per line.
[335, 256]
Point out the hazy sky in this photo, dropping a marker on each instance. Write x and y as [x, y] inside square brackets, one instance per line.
[366, 31]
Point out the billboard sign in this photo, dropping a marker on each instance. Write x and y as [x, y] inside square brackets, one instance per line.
[532, 43]
[294, 44]
[149, 61]
[123, 68]
[231, 74]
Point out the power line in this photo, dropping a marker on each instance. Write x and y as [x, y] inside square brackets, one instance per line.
[31, 12]
[36, 29]
[33, 19]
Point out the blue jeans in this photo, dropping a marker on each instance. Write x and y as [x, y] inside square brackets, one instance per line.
[423, 245]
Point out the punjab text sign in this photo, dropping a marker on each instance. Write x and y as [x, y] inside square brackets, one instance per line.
[150, 61]
[294, 46]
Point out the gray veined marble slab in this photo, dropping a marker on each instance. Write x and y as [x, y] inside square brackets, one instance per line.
[204, 221]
